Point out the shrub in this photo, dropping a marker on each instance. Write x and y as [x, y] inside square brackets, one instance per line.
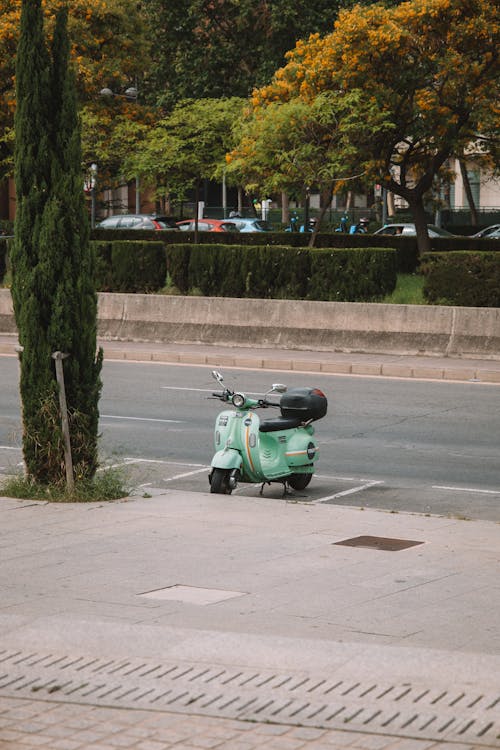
[352, 275]
[282, 272]
[469, 279]
[126, 266]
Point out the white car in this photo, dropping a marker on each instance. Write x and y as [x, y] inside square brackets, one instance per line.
[488, 231]
[250, 225]
[408, 230]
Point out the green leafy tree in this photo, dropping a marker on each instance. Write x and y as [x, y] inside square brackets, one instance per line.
[53, 292]
[186, 146]
[225, 48]
[293, 145]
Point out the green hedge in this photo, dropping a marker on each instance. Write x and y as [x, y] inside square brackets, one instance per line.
[282, 272]
[468, 279]
[406, 247]
[124, 266]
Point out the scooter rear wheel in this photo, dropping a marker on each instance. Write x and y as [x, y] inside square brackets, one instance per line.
[219, 482]
[299, 481]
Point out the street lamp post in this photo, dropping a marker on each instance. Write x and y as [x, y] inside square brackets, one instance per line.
[93, 190]
[131, 94]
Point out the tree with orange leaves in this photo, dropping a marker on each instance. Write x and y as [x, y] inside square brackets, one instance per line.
[109, 48]
[430, 66]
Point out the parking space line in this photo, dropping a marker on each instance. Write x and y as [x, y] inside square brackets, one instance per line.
[465, 489]
[352, 491]
[141, 419]
[187, 474]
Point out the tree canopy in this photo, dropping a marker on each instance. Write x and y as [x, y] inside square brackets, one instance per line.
[227, 47]
[109, 46]
[430, 67]
[187, 145]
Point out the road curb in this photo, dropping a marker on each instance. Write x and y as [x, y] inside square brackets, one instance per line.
[129, 351]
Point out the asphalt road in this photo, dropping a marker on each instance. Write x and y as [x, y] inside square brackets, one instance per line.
[427, 447]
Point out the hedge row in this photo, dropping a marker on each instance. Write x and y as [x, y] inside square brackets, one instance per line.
[282, 272]
[461, 278]
[130, 266]
[406, 247]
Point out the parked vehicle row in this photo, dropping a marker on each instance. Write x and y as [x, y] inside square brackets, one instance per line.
[240, 224]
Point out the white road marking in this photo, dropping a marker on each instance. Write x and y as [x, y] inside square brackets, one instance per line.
[352, 491]
[179, 388]
[465, 489]
[206, 390]
[141, 419]
[187, 474]
[127, 461]
[9, 448]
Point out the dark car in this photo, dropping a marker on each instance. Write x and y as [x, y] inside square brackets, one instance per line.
[134, 221]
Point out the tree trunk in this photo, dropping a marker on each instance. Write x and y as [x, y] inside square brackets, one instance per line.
[326, 199]
[423, 240]
[285, 208]
[468, 193]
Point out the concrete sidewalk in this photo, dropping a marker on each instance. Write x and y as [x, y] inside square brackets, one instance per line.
[340, 363]
[188, 620]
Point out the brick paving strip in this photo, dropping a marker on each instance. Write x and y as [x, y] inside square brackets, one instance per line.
[27, 724]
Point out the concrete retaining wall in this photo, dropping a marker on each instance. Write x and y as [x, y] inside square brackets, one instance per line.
[284, 324]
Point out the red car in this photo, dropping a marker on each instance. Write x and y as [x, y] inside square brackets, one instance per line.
[207, 225]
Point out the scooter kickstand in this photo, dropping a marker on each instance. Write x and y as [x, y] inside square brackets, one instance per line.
[262, 488]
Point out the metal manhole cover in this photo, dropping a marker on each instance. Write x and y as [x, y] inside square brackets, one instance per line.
[379, 542]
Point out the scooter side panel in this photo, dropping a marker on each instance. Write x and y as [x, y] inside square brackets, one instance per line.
[302, 449]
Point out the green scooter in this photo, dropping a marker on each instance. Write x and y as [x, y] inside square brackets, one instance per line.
[274, 450]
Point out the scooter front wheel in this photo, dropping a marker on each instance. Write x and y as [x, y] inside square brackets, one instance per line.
[299, 481]
[219, 482]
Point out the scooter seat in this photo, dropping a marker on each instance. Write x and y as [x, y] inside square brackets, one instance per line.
[280, 423]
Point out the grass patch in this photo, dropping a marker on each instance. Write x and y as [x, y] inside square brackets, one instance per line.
[108, 484]
[408, 291]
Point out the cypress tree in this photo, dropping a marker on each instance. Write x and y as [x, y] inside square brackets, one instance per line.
[53, 269]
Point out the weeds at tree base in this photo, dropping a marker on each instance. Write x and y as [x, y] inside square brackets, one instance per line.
[108, 484]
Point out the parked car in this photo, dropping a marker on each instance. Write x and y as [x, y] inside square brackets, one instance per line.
[488, 231]
[409, 230]
[250, 225]
[495, 235]
[207, 225]
[133, 221]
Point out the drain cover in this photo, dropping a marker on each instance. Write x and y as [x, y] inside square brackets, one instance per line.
[192, 594]
[379, 542]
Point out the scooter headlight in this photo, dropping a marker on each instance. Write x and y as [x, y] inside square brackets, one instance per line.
[238, 400]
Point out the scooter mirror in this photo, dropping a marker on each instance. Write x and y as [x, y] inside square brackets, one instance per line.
[279, 388]
[217, 375]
